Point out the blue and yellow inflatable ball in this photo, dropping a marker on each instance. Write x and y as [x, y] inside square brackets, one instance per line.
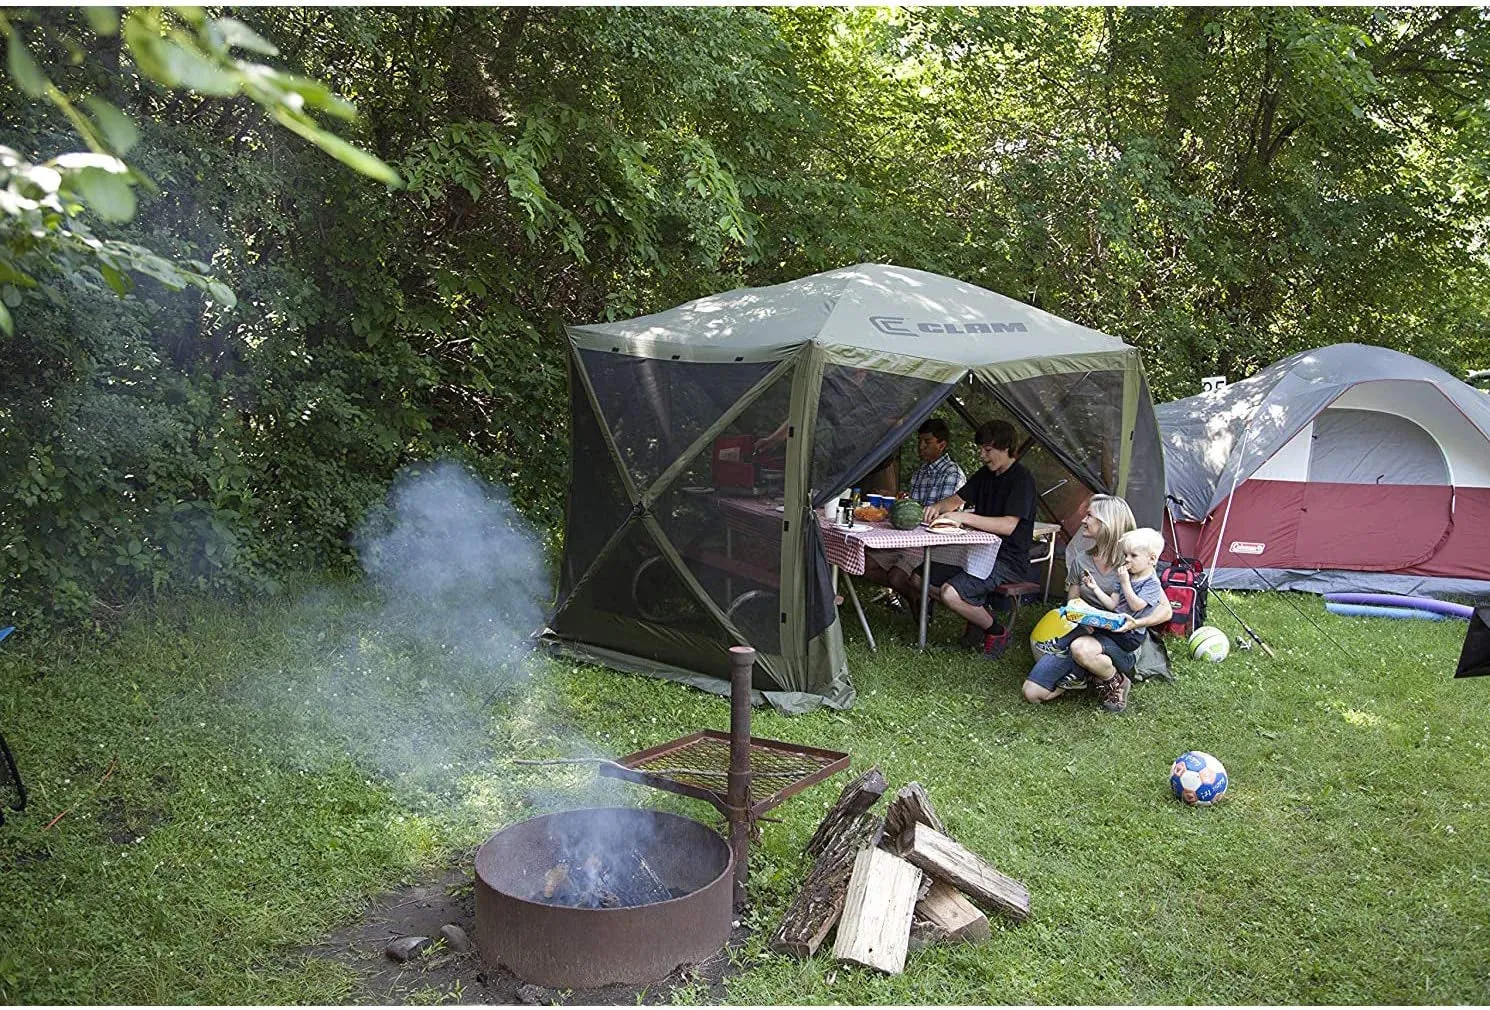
[1049, 628]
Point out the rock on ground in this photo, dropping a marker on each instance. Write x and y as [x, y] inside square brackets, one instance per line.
[406, 947]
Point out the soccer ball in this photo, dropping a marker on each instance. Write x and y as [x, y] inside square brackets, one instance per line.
[1197, 778]
[1209, 643]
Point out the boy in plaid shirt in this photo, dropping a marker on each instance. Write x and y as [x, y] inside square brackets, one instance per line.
[938, 477]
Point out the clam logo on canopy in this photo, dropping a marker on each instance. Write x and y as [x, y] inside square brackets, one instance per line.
[901, 327]
[1245, 547]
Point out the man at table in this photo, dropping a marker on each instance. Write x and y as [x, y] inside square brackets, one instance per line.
[938, 477]
[1002, 500]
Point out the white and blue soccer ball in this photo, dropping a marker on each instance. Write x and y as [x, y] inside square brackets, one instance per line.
[1197, 778]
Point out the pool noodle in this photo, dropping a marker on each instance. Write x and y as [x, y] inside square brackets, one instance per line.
[1411, 602]
[1361, 610]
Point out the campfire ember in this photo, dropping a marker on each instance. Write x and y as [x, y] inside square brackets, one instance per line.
[623, 880]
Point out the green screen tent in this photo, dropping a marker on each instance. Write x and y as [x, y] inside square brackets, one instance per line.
[669, 560]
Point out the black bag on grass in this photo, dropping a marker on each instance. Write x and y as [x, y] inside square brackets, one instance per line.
[12, 792]
[1474, 661]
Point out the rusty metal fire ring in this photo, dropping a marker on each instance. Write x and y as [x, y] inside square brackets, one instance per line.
[581, 948]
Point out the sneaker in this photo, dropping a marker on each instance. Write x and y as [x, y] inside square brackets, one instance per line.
[895, 603]
[1072, 682]
[1114, 693]
[994, 643]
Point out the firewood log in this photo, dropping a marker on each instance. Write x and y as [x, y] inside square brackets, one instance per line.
[856, 797]
[948, 861]
[815, 909]
[875, 928]
[910, 806]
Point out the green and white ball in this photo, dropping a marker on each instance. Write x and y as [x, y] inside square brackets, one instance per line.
[1209, 643]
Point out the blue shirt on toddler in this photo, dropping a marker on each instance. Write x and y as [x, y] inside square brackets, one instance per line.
[1152, 594]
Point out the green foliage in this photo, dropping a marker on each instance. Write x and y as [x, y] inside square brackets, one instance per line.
[1220, 187]
[44, 230]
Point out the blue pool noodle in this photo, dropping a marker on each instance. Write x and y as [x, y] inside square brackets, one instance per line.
[1361, 610]
[1411, 602]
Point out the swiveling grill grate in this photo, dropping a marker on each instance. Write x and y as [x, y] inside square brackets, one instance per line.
[698, 765]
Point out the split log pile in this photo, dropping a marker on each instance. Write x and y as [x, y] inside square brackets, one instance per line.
[892, 884]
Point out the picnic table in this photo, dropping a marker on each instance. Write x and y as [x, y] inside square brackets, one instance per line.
[972, 550]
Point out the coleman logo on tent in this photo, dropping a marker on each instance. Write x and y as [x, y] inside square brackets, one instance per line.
[1244, 547]
[898, 326]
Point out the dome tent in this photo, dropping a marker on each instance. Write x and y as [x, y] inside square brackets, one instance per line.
[1345, 467]
[658, 576]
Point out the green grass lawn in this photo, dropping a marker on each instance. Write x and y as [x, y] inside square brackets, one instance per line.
[267, 766]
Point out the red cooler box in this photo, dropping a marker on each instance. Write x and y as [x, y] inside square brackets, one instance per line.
[733, 465]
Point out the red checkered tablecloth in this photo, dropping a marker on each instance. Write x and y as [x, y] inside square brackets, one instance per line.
[845, 548]
[971, 550]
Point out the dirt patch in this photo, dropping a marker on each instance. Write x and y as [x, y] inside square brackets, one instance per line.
[124, 824]
[440, 974]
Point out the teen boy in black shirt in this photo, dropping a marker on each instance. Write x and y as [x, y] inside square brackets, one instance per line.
[1002, 498]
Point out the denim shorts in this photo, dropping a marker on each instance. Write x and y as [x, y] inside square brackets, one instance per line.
[1048, 671]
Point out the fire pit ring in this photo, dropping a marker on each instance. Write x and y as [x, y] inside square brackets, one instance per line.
[565, 947]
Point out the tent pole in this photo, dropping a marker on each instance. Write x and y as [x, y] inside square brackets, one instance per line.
[1132, 383]
[1230, 496]
[797, 511]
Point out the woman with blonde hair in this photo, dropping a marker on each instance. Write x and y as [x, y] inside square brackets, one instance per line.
[1097, 550]
[1092, 560]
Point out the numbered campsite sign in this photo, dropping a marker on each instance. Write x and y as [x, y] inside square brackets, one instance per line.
[1211, 383]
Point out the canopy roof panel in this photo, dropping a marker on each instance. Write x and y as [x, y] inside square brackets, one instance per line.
[881, 311]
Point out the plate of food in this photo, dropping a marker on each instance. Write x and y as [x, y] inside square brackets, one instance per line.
[943, 524]
[871, 514]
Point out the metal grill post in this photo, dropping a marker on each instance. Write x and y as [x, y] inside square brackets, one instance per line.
[742, 663]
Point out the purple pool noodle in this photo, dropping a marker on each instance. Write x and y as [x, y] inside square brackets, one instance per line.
[1361, 610]
[1411, 602]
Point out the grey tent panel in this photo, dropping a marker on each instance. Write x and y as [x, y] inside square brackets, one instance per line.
[1373, 447]
[872, 314]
